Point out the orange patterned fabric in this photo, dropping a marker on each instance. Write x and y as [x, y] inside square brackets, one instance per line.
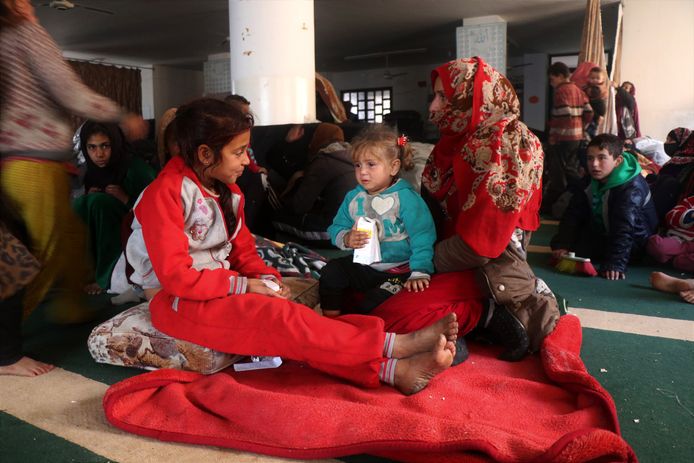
[486, 171]
[327, 93]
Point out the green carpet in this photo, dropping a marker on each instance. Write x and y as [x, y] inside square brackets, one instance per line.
[23, 443]
[633, 295]
[646, 377]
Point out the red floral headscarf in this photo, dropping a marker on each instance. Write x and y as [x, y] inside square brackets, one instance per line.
[486, 171]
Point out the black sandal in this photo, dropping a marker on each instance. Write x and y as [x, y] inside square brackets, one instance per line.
[505, 329]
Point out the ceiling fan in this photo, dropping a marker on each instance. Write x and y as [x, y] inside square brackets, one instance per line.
[64, 5]
[388, 75]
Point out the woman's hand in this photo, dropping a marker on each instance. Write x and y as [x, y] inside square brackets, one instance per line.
[559, 253]
[134, 127]
[417, 284]
[356, 239]
[117, 192]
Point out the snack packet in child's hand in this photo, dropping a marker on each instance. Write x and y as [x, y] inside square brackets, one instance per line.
[272, 284]
[371, 252]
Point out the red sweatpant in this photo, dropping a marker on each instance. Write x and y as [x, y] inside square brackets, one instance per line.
[350, 347]
[448, 292]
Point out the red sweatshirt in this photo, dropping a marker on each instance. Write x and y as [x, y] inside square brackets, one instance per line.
[180, 241]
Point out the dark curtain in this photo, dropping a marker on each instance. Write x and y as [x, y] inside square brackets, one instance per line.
[122, 85]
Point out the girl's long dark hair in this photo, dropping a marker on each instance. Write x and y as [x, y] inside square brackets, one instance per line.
[213, 123]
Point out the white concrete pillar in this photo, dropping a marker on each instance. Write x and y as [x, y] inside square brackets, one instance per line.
[273, 58]
[483, 36]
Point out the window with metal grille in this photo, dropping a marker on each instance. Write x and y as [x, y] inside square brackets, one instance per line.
[370, 104]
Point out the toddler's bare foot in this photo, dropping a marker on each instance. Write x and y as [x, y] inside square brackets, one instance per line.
[412, 374]
[26, 366]
[423, 340]
[669, 284]
[93, 288]
[688, 295]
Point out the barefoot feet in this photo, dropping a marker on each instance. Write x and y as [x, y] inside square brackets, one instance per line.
[669, 284]
[412, 374]
[423, 340]
[93, 289]
[26, 366]
[688, 295]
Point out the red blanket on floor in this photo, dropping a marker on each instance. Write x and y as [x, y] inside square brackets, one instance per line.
[546, 408]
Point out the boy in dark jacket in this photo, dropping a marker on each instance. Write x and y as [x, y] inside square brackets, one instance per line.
[612, 221]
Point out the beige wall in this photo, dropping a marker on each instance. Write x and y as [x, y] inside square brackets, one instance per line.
[658, 56]
[175, 86]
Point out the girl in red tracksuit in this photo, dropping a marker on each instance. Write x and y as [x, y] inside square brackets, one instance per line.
[198, 265]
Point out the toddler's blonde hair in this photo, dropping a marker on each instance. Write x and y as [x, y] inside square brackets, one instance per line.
[382, 142]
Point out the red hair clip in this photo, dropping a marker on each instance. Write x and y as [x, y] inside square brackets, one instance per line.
[402, 140]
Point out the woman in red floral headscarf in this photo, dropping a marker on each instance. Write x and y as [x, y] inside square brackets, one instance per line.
[485, 173]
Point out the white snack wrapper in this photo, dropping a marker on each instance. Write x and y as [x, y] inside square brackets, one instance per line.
[371, 252]
[271, 284]
[259, 363]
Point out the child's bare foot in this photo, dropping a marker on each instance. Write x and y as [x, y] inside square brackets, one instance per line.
[412, 374]
[669, 284]
[688, 295]
[331, 313]
[93, 289]
[423, 340]
[26, 366]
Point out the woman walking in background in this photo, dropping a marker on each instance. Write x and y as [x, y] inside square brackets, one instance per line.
[39, 91]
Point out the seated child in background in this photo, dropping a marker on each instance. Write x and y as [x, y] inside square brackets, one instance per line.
[612, 221]
[113, 181]
[677, 245]
[596, 90]
[405, 227]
